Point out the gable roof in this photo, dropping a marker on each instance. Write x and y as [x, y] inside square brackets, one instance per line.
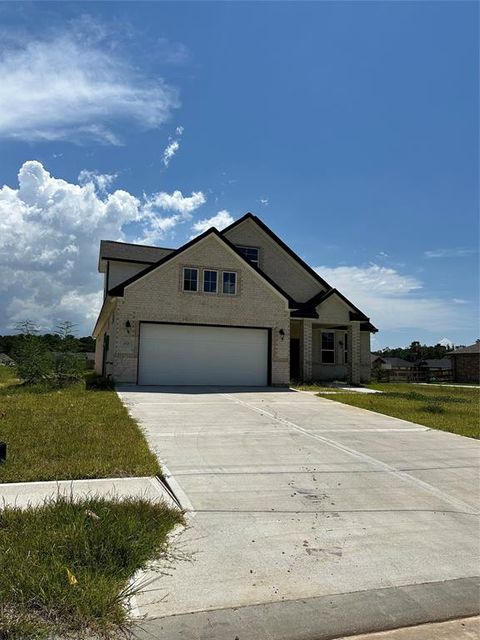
[394, 362]
[306, 309]
[128, 252]
[309, 308]
[118, 290]
[280, 242]
[473, 348]
[436, 363]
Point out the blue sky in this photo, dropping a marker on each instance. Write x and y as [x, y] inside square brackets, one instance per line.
[350, 128]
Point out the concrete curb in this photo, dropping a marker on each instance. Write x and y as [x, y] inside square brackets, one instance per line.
[24, 494]
[325, 617]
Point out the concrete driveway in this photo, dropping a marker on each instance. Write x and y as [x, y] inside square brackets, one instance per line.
[307, 518]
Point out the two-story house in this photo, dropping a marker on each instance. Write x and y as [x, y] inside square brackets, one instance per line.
[236, 307]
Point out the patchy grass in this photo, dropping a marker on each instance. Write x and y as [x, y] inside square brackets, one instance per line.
[448, 409]
[7, 376]
[68, 433]
[66, 565]
[313, 386]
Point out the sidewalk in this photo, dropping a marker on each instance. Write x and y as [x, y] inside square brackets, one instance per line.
[23, 494]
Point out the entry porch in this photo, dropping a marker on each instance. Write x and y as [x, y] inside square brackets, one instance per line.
[326, 352]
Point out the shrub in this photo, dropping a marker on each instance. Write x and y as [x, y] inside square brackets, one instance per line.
[98, 383]
[34, 363]
[67, 368]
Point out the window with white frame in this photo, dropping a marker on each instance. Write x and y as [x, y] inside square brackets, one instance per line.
[229, 282]
[328, 347]
[250, 253]
[210, 281]
[190, 279]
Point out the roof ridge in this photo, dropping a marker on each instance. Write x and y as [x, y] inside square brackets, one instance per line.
[281, 243]
[136, 244]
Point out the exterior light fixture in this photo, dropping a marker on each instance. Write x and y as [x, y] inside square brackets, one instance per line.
[128, 326]
[282, 334]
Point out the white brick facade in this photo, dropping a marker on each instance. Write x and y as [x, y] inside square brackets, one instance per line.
[158, 296]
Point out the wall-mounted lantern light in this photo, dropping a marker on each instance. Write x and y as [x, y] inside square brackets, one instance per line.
[282, 334]
[128, 325]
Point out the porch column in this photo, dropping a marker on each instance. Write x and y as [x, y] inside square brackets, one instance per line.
[354, 353]
[306, 350]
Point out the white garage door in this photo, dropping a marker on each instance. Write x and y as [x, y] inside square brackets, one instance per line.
[193, 355]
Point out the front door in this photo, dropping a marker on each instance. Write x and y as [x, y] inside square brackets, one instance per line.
[294, 358]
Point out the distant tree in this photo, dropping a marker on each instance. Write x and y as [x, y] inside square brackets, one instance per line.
[65, 332]
[26, 327]
[34, 364]
[416, 352]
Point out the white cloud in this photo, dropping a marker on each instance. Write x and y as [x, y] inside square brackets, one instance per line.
[172, 147]
[101, 180]
[220, 220]
[49, 236]
[264, 202]
[445, 342]
[169, 151]
[391, 299]
[176, 201]
[75, 86]
[450, 253]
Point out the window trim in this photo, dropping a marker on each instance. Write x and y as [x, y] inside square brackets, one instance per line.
[334, 350]
[257, 249]
[204, 271]
[183, 280]
[227, 293]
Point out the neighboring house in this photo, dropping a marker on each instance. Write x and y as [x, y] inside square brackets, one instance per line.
[435, 369]
[90, 360]
[391, 368]
[420, 371]
[466, 363]
[391, 363]
[6, 361]
[236, 307]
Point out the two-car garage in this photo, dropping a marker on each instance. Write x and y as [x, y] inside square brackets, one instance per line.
[183, 354]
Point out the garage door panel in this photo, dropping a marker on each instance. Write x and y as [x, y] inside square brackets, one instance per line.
[199, 355]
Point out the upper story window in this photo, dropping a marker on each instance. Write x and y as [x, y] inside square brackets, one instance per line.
[210, 279]
[328, 347]
[190, 279]
[230, 282]
[250, 253]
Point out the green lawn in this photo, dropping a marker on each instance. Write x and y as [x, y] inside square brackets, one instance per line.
[68, 433]
[445, 408]
[65, 566]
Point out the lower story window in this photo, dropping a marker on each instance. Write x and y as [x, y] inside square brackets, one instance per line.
[328, 347]
[229, 282]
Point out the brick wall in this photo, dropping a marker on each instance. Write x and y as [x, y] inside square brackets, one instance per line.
[276, 262]
[159, 296]
[466, 367]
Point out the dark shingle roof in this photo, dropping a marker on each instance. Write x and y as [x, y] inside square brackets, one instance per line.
[473, 348]
[394, 362]
[437, 363]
